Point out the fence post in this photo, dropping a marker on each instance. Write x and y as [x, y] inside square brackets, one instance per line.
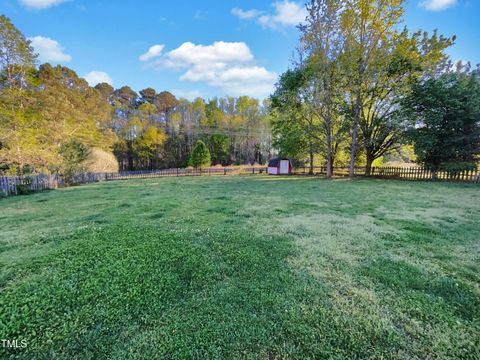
[3, 187]
[9, 185]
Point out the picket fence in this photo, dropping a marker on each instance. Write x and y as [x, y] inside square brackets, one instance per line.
[14, 185]
[403, 173]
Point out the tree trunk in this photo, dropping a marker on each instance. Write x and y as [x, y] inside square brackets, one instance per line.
[329, 161]
[328, 129]
[370, 159]
[310, 171]
[332, 156]
[130, 155]
[356, 116]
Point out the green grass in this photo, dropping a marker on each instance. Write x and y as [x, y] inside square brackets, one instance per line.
[242, 267]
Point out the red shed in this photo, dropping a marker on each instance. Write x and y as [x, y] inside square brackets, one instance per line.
[280, 166]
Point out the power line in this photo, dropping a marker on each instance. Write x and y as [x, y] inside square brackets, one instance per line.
[228, 133]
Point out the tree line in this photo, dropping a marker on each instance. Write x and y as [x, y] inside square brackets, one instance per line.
[158, 130]
[362, 87]
[51, 120]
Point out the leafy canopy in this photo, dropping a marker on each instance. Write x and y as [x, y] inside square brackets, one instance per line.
[444, 115]
[200, 155]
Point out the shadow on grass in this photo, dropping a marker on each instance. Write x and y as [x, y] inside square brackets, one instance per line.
[118, 290]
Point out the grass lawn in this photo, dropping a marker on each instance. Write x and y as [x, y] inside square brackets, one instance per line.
[242, 267]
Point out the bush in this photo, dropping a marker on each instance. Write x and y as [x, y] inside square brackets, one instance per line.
[74, 156]
[455, 167]
[101, 161]
[12, 170]
[297, 162]
[22, 189]
[200, 156]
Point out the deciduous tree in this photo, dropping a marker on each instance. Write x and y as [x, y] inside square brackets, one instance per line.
[444, 115]
[18, 144]
[322, 44]
[369, 28]
[295, 123]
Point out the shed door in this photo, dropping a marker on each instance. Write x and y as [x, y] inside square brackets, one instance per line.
[284, 166]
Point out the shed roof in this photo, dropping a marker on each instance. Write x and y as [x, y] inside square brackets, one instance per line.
[275, 161]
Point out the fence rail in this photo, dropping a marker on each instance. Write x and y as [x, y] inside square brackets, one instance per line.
[14, 185]
[421, 173]
[322, 170]
[405, 173]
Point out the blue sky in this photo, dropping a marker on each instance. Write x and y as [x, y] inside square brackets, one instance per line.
[199, 48]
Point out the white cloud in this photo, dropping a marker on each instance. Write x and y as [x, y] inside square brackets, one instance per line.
[218, 53]
[49, 50]
[245, 15]
[237, 80]
[437, 5]
[96, 77]
[229, 66]
[40, 4]
[287, 13]
[153, 52]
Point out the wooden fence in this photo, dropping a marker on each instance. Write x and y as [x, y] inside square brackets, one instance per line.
[14, 185]
[322, 170]
[403, 173]
[421, 173]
